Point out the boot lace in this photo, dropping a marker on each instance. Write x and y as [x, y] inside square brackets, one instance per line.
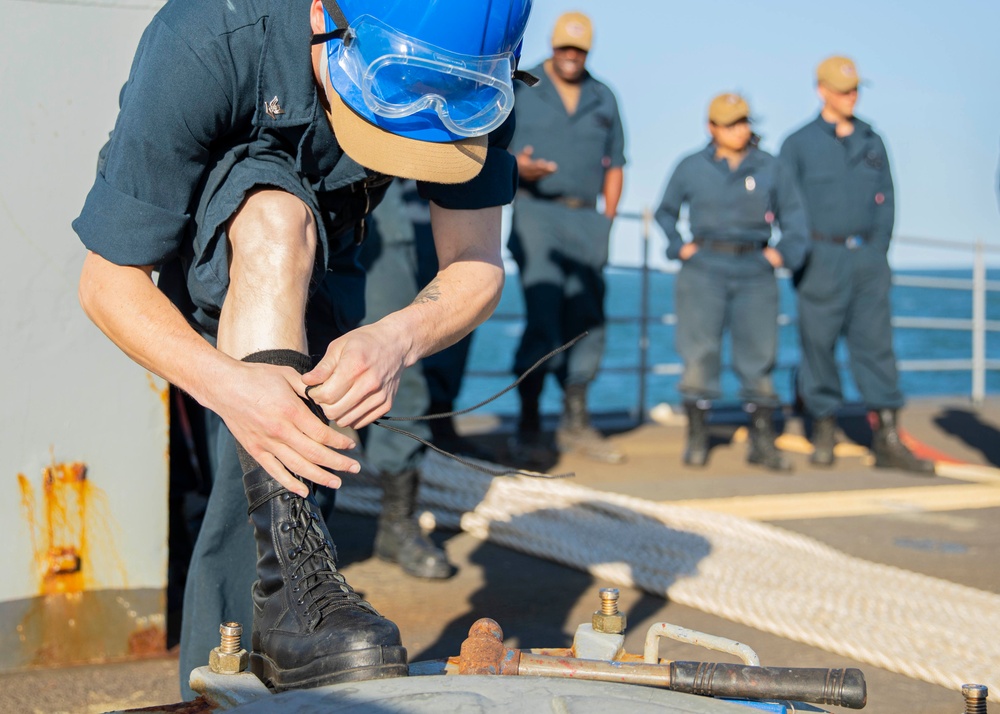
[314, 577]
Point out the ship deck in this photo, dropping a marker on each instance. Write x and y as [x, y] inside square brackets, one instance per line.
[947, 527]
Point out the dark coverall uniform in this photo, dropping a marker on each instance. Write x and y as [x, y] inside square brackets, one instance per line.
[220, 100]
[558, 238]
[843, 290]
[728, 282]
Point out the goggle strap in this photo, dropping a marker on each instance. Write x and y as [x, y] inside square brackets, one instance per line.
[527, 78]
[333, 10]
[337, 34]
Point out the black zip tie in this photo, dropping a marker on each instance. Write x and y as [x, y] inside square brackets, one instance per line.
[445, 415]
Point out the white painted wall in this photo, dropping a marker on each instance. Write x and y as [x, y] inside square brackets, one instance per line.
[66, 393]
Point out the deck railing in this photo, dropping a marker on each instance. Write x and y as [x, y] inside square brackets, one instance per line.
[978, 363]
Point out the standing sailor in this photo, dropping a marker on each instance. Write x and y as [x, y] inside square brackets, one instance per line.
[842, 169]
[735, 193]
[570, 149]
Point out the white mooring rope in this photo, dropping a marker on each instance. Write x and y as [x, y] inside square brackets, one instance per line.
[748, 572]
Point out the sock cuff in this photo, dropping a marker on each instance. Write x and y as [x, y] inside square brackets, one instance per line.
[298, 361]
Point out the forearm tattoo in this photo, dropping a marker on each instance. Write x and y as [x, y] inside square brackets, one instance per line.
[431, 293]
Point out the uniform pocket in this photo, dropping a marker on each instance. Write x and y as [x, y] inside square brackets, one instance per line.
[821, 276]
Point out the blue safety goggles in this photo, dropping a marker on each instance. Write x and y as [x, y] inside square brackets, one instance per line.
[385, 74]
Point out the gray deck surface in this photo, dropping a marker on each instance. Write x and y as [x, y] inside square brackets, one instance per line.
[539, 604]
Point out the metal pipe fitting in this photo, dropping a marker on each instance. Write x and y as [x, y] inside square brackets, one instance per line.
[975, 698]
[229, 657]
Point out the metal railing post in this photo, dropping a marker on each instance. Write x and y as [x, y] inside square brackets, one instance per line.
[978, 324]
[644, 316]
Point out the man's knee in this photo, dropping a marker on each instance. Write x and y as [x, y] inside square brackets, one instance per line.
[273, 234]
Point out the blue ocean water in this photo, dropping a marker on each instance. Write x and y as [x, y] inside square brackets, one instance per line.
[617, 387]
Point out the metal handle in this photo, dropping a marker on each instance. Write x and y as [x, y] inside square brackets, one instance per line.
[836, 687]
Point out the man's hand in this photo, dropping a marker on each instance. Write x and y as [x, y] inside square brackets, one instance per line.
[263, 408]
[773, 257]
[357, 378]
[687, 250]
[530, 169]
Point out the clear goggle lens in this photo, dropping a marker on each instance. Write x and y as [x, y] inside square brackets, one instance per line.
[399, 76]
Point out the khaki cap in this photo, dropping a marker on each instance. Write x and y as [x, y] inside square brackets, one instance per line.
[573, 29]
[838, 73]
[388, 153]
[727, 109]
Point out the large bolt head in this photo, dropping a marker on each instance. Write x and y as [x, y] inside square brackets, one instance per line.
[609, 624]
[227, 662]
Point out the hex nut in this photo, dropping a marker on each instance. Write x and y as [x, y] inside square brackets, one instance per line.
[226, 662]
[609, 624]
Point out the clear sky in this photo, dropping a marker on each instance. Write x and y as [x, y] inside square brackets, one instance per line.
[932, 72]
[933, 93]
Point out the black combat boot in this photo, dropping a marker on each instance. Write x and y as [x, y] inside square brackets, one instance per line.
[890, 452]
[528, 446]
[309, 628]
[445, 437]
[696, 449]
[399, 538]
[576, 434]
[823, 440]
[762, 450]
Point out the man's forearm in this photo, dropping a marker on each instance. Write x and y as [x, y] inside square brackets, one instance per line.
[614, 181]
[127, 306]
[467, 287]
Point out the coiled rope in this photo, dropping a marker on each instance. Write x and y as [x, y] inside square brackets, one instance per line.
[748, 572]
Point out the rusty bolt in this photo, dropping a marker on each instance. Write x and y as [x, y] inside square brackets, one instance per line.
[608, 619]
[975, 698]
[229, 657]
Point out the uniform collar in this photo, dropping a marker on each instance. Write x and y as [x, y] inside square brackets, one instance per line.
[286, 88]
[749, 161]
[861, 127]
[545, 86]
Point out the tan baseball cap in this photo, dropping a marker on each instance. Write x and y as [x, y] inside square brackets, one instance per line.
[573, 29]
[388, 153]
[838, 73]
[727, 109]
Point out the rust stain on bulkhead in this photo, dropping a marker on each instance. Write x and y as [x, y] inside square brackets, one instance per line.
[74, 548]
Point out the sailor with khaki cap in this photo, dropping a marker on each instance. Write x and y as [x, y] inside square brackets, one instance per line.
[277, 126]
[570, 149]
[735, 194]
[842, 169]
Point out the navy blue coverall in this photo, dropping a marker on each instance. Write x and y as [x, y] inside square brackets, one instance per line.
[222, 99]
[843, 290]
[558, 238]
[727, 282]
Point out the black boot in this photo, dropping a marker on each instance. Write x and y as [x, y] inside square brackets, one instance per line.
[309, 628]
[528, 446]
[444, 436]
[890, 452]
[696, 449]
[823, 440]
[762, 450]
[399, 538]
[576, 434]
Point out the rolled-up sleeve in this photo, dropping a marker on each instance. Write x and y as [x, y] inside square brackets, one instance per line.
[615, 149]
[170, 109]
